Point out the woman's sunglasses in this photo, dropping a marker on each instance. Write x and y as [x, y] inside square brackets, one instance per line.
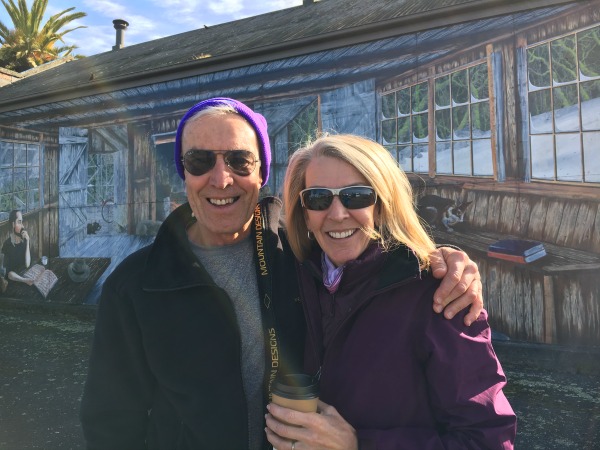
[199, 162]
[351, 197]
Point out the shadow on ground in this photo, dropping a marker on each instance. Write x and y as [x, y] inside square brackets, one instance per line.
[43, 361]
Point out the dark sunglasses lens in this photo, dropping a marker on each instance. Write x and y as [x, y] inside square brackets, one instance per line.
[199, 163]
[241, 162]
[317, 199]
[357, 197]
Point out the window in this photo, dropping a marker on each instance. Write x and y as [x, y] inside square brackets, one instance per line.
[564, 108]
[404, 126]
[461, 144]
[19, 177]
[100, 178]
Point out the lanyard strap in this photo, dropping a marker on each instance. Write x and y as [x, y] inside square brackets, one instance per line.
[264, 266]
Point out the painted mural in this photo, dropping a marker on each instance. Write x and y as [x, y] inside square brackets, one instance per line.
[496, 122]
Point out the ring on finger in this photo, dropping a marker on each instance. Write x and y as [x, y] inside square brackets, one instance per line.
[293, 445]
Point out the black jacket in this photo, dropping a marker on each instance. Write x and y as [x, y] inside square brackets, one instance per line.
[165, 369]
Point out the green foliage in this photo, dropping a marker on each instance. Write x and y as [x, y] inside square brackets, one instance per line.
[303, 128]
[31, 43]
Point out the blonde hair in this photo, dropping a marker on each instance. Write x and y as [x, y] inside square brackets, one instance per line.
[398, 221]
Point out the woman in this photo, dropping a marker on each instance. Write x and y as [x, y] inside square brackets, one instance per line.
[399, 376]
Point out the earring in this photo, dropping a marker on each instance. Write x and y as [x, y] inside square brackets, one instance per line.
[311, 235]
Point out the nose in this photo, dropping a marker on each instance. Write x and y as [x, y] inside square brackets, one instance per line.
[220, 175]
[337, 212]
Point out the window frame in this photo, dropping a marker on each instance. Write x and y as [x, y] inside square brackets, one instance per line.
[430, 76]
[29, 203]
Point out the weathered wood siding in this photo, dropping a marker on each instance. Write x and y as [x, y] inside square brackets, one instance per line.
[141, 181]
[523, 303]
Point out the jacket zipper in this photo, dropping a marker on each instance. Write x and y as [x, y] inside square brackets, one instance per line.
[354, 312]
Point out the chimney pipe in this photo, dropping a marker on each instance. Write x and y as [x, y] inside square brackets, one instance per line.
[120, 25]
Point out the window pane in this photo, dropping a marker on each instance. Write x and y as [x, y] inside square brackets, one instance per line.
[443, 157]
[420, 98]
[19, 179]
[33, 178]
[540, 112]
[405, 158]
[6, 202]
[6, 154]
[538, 66]
[20, 155]
[591, 157]
[404, 132]
[403, 98]
[420, 128]
[480, 118]
[20, 200]
[482, 157]
[589, 53]
[33, 155]
[462, 158]
[566, 108]
[388, 132]
[568, 157]
[542, 157]
[421, 159]
[393, 151]
[460, 88]
[6, 181]
[479, 82]
[388, 106]
[564, 64]
[442, 92]
[589, 94]
[443, 128]
[460, 122]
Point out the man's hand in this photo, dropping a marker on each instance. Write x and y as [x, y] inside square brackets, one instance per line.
[461, 284]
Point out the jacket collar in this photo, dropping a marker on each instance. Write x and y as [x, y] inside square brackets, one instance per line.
[394, 266]
[171, 263]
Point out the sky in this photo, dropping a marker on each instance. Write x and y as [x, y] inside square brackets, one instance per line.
[148, 19]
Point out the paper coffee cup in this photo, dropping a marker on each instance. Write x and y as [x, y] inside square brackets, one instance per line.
[297, 391]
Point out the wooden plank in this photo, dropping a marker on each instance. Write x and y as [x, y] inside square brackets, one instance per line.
[581, 235]
[536, 287]
[549, 313]
[506, 213]
[568, 222]
[537, 219]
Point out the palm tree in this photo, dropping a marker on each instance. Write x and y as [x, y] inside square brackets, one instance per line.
[30, 43]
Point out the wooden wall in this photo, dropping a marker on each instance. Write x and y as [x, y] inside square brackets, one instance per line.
[523, 303]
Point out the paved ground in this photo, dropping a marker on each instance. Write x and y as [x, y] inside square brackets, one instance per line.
[43, 360]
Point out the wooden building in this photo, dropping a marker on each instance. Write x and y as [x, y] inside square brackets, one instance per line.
[492, 102]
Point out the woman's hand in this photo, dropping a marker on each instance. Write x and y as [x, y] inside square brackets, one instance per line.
[326, 430]
[461, 284]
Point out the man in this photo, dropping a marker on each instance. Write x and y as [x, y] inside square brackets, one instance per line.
[17, 255]
[192, 330]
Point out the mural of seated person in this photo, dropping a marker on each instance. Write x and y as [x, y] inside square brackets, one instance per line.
[17, 255]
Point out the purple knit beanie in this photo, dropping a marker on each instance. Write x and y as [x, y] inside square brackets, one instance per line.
[257, 121]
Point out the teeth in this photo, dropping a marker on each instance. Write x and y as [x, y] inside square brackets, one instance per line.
[221, 201]
[341, 234]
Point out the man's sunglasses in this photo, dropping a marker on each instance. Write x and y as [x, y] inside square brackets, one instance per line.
[351, 197]
[199, 162]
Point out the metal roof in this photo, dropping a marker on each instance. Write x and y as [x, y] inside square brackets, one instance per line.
[274, 41]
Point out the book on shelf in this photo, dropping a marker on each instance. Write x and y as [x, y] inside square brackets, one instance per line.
[516, 247]
[517, 258]
[43, 279]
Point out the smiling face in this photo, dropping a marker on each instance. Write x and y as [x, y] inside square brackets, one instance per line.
[222, 202]
[337, 229]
